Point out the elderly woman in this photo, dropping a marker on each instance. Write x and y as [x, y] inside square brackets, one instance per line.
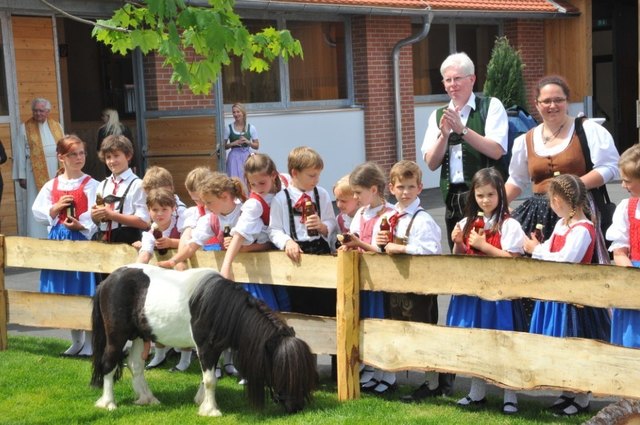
[239, 137]
[554, 147]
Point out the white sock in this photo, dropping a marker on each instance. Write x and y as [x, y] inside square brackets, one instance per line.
[87, 348]
[390, 377]
[478, 389]
[159, 354]
[510, 396]
[185, 360]
[432, 380]
[366, 374]
[77, 341]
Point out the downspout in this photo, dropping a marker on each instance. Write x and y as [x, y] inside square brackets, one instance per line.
[395, 55]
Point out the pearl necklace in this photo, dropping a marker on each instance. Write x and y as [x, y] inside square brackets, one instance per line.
[547, 139]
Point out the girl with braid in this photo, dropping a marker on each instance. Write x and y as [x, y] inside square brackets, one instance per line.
[573, 240]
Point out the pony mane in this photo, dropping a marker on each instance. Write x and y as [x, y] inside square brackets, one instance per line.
[226, 316]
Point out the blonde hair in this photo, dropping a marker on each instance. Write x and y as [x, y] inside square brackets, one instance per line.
[195, 177]
[242, 109]
[113, 124]
[156, 177]
[161, 196]
[258, 163]
[304, 157]
[405, 170]
[343, 187]
[629, 162]
[216, 184]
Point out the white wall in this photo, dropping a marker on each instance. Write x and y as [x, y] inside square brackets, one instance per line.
[337, 135]
[430, 179]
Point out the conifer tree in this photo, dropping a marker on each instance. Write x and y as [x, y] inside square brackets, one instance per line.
[504, 75]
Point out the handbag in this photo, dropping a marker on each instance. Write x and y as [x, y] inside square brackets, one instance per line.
[599, 194]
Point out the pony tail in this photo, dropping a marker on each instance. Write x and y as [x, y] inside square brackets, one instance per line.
[60, 171]
[238, 189]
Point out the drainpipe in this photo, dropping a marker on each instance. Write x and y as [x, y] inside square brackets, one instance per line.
[395, 55]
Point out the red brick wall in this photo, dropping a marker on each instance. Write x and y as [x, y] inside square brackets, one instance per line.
[528, 37]
[373, 41]
[162, 95]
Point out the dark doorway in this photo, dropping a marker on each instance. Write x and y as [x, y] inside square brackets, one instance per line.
[615, 68]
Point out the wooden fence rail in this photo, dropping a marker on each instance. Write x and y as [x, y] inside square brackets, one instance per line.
[509, 359]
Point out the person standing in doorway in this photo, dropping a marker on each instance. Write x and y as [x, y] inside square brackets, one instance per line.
[35, 160]
[240, 138]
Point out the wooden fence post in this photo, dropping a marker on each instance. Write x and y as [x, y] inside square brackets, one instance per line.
[348, 325]
[4, 310]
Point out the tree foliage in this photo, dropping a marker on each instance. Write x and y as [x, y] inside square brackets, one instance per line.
[504, 75]
[215, 33]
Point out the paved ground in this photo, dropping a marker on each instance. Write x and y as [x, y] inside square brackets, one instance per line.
[27, 279]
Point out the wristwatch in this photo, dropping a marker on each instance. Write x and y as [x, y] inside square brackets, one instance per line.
[465, 131]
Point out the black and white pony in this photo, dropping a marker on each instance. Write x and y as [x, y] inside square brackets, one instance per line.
[200, 308]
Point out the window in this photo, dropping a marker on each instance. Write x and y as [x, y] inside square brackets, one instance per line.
[251, 87]
[320, 76]
[443, 39]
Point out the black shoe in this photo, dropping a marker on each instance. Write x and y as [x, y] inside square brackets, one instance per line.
[150, 366]
[570, 403]
[384, 388]
[445, 383]
[469, 402]
[421, 393]
[176, 369]
[561, 403]
[369, 386]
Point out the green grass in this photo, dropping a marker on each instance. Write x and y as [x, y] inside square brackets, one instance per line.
[37, 386]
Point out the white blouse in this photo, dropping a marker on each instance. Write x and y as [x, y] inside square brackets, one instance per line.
[618, 232]
[511, 234]
[250, 225]
[574, 249]
[44, 201]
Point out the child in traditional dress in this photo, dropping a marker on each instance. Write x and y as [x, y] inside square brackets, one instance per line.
[501, 236]
[412, 231]
[121, 209]
[572, 241]
[250, 232]
[292, 229]
[624, 235]
[63, 205]
[347, 206]
[368, 184]
[223, 197]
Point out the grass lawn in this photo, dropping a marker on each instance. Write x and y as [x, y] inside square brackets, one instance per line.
[37, 386]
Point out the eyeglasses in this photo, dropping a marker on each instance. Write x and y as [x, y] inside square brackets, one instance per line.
[41, 111]
[75, 155]
[556, 100]
[454, 80]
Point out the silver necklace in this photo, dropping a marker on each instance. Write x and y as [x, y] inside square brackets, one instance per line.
[547, 139]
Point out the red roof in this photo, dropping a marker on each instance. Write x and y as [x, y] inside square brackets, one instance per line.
[508, 6]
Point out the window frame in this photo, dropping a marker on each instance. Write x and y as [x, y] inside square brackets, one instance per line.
[285, 99]
[452, 23]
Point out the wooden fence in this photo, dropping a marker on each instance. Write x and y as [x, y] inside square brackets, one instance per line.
[510, 359]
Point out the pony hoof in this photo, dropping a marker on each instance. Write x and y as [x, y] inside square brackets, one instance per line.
[209, 412]
[142, 401]
[105, 404]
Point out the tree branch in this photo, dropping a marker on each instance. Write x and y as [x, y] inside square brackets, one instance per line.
[82, 20]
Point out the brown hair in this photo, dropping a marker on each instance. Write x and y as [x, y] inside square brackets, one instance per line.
[259, 163]
[112, 144]
[162, 197]
[195, 177]
[368, 175]
[65, 144]
[304, 157]
[217, 183]
[156, 177]
[572, 190]
[405, 170]
[629, 162]
[483, 177]
[552, 79]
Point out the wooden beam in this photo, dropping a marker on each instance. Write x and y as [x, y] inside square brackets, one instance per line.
[516, 360]
[49, 310]
[348, 322]
[494, 278]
